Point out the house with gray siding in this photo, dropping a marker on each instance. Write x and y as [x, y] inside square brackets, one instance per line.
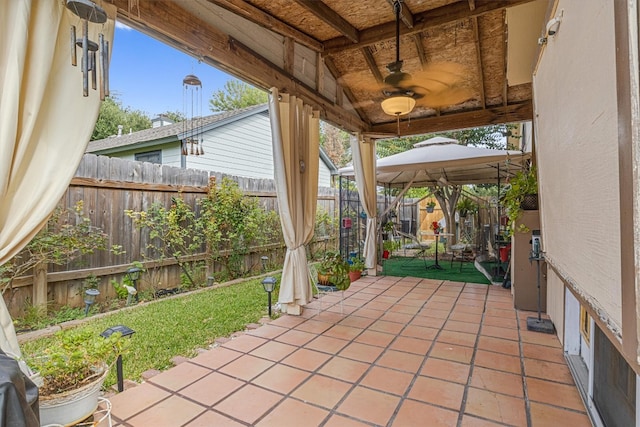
[234, 142]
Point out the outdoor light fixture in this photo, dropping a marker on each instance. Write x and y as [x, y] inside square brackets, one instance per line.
[265, 260]
[125, 332]
[398, 105]
[134, 275]
[399, 101]
[88, 11]
[269, 283]
[89, 298]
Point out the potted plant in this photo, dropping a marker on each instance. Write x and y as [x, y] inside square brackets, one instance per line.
[388, 246]
[430, 206]
[334, 271]
[326, 267]
[466, 206]
[356, 265]
[70, 372]
[340, 274]
[522, 194]
[387, 229]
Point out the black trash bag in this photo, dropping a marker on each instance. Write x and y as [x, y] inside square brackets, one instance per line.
[18, 396]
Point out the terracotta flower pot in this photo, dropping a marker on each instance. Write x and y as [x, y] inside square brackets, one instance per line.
[355, 275]
[324, 279]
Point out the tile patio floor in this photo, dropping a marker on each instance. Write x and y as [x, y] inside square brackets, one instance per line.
[406, 352]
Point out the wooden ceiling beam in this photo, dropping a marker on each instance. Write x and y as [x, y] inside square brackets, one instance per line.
[288, 55]
[331, 18]
[265, 20]
[166, 21]
[343, 89]
[479, 69]
[489, 116]
[453, 12]
[417, 39]
[405, 14]
[505, 83]
[371, 62]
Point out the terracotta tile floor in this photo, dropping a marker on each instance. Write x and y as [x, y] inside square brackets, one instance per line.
[396, 352]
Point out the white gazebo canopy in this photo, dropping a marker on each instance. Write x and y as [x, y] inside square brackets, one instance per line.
[442, 161]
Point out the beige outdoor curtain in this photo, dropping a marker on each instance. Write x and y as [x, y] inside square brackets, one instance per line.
[364, 166]
[295, 131]
[45, 122]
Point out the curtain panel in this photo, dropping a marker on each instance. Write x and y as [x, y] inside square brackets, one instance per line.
[296, 155]
[45, 122]
[364, 166]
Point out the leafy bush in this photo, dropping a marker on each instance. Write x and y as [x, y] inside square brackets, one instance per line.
[233, 224]
[174, 232]
[66, 237]
[74, 359]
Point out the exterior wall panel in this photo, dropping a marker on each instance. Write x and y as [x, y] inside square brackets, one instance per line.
[577, 153]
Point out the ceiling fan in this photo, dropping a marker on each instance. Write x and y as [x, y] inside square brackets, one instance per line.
[437, 85]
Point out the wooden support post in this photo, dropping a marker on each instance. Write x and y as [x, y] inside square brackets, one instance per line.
[40, 285]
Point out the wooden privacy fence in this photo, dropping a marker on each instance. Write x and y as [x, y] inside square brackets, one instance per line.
[108, 187]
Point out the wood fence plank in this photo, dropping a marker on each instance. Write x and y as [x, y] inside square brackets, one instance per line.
[109, 186]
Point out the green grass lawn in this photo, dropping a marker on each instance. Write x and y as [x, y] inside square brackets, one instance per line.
[178, 326]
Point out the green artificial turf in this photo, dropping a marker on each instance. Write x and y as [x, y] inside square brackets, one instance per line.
[414, 267]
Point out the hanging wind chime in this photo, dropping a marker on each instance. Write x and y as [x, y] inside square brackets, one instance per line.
[192, 140]
[93, 54]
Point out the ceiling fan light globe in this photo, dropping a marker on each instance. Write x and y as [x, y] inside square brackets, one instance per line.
[399, 105]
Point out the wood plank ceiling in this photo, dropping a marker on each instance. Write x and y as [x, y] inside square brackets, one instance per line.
[334, 53]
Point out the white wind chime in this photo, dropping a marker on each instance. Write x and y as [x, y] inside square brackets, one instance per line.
[192, 140]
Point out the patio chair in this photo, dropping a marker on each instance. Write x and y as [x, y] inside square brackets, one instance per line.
[321, 290]
[420, 248]
[461, 252]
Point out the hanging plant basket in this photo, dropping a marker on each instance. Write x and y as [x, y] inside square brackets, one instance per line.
[529, 202]
[430, 209]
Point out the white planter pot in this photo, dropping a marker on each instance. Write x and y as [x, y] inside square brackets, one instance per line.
[71, 407]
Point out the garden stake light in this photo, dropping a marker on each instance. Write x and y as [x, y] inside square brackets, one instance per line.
[269, 283]
[134, 275]
[125, 332]
[89, 298]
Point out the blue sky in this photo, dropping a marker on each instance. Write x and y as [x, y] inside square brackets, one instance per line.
[146, 74]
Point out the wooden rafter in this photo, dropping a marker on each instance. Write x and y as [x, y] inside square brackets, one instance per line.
[505, 84]
[453, 12]
[371, 62]
[288, 56]
[319, 72]
[193, 35]
[405, 14]
[344, 90]
[265, 20]
[332, 18]
[417, 39]
[479, 69]
[489, 116]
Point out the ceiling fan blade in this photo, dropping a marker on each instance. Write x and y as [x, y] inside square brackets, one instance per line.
[447, 74]
[452, 96]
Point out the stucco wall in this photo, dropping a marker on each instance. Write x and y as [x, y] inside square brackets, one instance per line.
[577, 157]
